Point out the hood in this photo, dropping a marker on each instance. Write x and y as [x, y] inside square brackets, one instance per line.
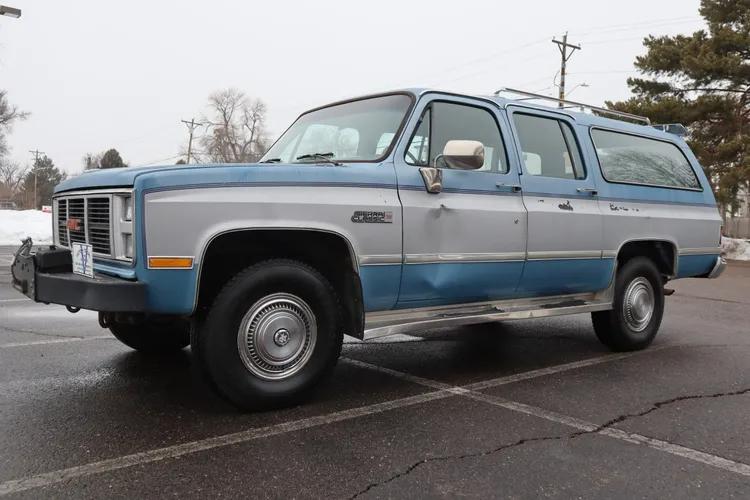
[171, 176]
[112, 177]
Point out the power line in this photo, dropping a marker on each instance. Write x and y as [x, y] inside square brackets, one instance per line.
[633, 26]
[151, 162]
[563, 46]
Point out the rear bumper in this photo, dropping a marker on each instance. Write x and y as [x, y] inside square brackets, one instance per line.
[46, 276]
[718, 268]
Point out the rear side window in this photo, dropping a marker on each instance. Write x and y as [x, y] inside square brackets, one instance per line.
[548, 147]
[639, 160]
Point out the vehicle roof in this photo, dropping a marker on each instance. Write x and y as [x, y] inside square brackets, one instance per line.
[586, 119]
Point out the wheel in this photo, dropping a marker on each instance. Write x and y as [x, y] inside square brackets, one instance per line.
[272, 332]
[153, 336]
[638, 307]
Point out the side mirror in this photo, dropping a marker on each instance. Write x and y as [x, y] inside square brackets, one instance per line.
[433, 179]
[462, 155]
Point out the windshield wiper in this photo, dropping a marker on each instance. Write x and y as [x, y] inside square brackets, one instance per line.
[326, 157]
[272, 160]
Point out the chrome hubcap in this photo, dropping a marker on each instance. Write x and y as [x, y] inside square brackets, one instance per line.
[638, 304]
[277, 336]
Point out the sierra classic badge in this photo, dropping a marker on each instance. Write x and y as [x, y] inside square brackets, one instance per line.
[367, 217]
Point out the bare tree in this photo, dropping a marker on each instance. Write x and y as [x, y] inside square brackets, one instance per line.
[236, 128]
[9, 114]
[11, 176]
[91, 161]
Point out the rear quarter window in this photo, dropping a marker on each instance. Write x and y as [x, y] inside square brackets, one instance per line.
[634, 159]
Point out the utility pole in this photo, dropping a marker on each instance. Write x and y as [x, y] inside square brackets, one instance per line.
[191, 125]
[564, 56]
[36, 154]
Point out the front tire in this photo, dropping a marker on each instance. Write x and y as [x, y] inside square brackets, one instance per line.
[638, 308]
[271, 334]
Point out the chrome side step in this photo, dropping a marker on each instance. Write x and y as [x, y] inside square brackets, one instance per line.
[384, 323]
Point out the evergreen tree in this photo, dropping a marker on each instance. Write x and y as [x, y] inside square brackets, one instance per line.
[45, 176]
[703, 81]
[111, 159]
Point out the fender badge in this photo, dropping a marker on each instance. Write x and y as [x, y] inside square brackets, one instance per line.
[367, 217]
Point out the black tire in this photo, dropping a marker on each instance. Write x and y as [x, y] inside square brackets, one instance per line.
[626, 327]
[240, 317]
[153, 336]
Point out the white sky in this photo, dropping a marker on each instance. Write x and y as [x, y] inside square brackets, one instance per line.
[101, 74]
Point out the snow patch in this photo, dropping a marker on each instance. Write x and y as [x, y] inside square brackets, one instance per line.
[16, 225]
[735, 249]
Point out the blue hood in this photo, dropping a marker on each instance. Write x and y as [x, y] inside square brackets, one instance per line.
[176, 176]
[112, 177]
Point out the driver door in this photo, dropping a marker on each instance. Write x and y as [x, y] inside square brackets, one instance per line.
[466, 243]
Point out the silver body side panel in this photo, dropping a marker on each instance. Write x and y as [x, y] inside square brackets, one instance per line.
[183, 222]
[692, 229]
[574, 231]
[463, 227]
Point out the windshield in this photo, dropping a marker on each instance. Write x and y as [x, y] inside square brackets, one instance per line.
[354, 131]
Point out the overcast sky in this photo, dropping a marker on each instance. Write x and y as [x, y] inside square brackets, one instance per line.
[101, 74]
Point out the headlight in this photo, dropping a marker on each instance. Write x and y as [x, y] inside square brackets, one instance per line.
[128, 246]
[128, 208]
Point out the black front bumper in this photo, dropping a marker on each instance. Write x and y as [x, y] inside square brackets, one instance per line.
[47, 276]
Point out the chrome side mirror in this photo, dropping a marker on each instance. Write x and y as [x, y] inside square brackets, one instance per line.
[462, 155]
[433, 179]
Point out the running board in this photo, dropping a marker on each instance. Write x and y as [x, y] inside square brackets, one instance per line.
[384, 323]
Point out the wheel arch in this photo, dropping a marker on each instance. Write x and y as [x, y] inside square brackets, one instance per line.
[662, 251]
[272, 242]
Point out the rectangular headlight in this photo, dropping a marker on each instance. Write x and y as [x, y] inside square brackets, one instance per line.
[128, 246]
[127, 203]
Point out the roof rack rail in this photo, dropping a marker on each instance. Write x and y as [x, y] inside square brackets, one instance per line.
[672, 128]
[574, 104]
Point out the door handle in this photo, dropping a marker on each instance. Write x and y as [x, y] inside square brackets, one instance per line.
[591, 191]
[514, 188]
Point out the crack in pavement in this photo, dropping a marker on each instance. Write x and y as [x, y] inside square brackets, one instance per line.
[714, 299]
[523, 441]
[445, 458]
[657, 406]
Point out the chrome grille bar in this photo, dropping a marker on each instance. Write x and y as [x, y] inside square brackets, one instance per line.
[62, 220]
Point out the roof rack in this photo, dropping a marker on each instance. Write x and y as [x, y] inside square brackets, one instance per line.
[573, 104]
[672, 128]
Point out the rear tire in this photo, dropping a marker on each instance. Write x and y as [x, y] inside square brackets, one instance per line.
[272, 333]
[638, 308]
[153, 336]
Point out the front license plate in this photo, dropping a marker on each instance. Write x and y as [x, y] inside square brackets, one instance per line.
[83, 259]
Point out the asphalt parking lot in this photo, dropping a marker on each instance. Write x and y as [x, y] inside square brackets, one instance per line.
[520, 409]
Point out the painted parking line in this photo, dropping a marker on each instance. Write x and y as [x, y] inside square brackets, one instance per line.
[20, 299]
[443, 391]
[54, 341]
[576, 423]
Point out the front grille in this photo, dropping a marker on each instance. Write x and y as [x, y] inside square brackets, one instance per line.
[86, 219]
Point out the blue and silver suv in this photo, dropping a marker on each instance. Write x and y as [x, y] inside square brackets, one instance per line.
[384, 214]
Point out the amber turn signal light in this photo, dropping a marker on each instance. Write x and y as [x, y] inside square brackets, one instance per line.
[170, 262]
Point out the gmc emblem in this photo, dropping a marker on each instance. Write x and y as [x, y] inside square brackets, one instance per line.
[73, 224]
